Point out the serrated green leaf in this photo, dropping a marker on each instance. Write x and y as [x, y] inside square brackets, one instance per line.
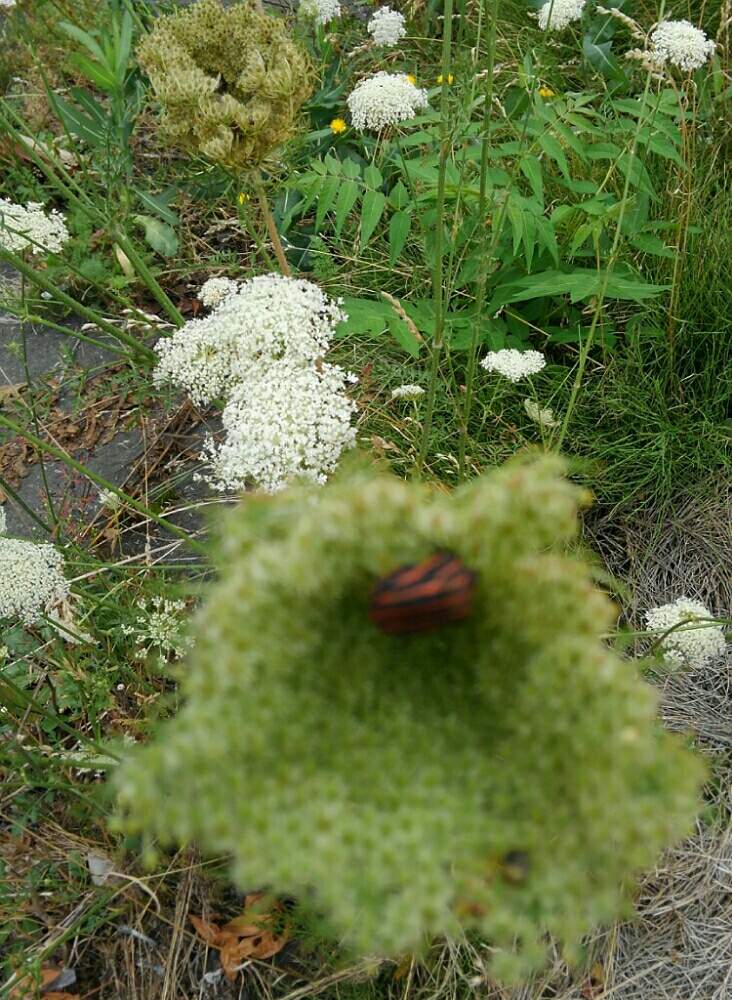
[372, 176]
[653, 245]
[399, 227]
[403, 335]
[326, 197]
[372, 208]
[531, 169]
[348, 195]
[553, 149]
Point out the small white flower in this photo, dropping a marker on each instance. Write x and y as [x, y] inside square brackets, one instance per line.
[558, 15]
[287, 420]
[28, 227]
[385, 99]
[407, 392]
[214, 291]
[110, 499]
[31, 580]
[270, 317]
[681, 44]
[320, 11]
[513, 364]
[386, 27]
[543, 416]
[693, 646]
[160, 628]
[7, 3]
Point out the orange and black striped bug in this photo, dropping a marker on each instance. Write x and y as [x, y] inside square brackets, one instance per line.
[423, 596]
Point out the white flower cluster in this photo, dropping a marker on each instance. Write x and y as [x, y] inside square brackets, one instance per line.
[7, 3]
[264, 319]
[407, 392]
[543, 416]
[28, 227]
[31, 579]
[558, 14]
[386, 27]
[320, 11]
[289, 420]
[694, 646]
[214, 291]
[385, 99]
[680, 44]
[160, 628]
[514, 364]
[261, 349]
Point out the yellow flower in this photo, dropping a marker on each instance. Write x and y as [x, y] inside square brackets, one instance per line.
[450, 79]
[546, 92]
[412, 78]
[243, 198]
[338, 126]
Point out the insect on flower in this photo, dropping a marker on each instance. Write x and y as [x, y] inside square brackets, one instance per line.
[423, 596]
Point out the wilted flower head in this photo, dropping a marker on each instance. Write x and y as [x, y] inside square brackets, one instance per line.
[268, 318]
[29, 227]
[680, 44]
[230, 81]
[543, 416]
[391, 779]
[288, 420]
[32, 581]
[320, 11]
[694, 646]
[407, 392]
[514, 364]
[558, 14]
[385, 99]
[386, 26]
[215, 290]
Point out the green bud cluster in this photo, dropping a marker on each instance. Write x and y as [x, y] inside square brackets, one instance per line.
[504, 773]
[231, 81]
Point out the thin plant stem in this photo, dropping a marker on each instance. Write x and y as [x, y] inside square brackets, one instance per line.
[437, 275]
[272, 227]
[483, 273]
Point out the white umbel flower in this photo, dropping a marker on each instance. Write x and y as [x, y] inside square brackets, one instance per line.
[387, 27]
[543, 416]
[320, 11]
[31, 580]
[214, 291]
[29, 227]
[407, 392]
[695, 646]
[270, 317]
[680, 44]
[385, 99]
[560, 14]
[513, 364]
[284, 422]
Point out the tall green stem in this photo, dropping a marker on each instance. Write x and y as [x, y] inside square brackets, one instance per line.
[437, 273]
[482, 199]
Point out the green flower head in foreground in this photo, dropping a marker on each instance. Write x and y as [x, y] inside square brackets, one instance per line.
[505, 772]
[231, 81]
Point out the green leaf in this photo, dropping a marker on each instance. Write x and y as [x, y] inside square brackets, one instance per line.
[372, 208]
[326, 197]
[96, 72]
[159, 235]
[372, 176]
[84, 126]
[159, 204]
[399, 196]
[653, 245]
[348, 195]
[531, 169]
[600, 57]
[399, 226]
[364, 316]
[403, 335]
[351, 169]
[553, 149]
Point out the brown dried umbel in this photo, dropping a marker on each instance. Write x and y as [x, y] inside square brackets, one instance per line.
[230, 81]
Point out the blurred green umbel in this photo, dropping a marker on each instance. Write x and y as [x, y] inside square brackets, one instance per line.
[231, 81]
[504, 773]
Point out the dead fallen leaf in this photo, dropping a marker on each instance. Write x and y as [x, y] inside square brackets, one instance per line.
[246, 936]
[51, 976]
